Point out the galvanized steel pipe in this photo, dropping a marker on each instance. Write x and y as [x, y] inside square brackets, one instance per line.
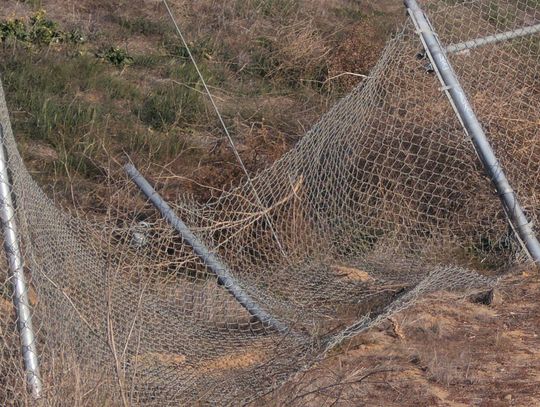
[18, 281]
[465, 112]
[210, 259]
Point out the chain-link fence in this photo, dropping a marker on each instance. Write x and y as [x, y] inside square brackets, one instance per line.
[385, 199]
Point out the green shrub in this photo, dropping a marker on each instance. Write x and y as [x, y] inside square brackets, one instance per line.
[13, 28]
[40, 31]
[44, 31]
[117, 56]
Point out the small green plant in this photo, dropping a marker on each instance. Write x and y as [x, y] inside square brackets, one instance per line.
[117, 56]
[13, 28]
[75, 37]
[39, 31]
[44, 31]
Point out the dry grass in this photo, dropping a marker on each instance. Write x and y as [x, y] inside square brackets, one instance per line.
[449, 352]
[242, 360]
[273, 69]
[156, 358]
[352, 273]
[266, 62]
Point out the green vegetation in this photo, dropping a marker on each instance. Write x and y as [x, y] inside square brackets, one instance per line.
[128, 86]
[44, 31]
[118, 88]
[38, 31]
[276, 8]
[13, 29]
[55, 115]
[171, 105]
[117, 56]
[148, 61]
[149, 102]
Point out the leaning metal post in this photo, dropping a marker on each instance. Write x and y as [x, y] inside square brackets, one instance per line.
[474, 129]
[210, 259]
[20, 289]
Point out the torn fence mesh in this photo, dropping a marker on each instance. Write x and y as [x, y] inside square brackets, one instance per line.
[382, 201]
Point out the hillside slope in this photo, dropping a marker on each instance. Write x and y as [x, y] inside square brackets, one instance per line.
[107, 78]
[445, 351]
[90, 81]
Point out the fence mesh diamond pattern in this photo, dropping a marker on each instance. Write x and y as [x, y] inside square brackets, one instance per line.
[382, 201]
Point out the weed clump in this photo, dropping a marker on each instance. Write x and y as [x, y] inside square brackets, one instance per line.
[43, 30]
[117, 56]
[13, 28]
[39, 31]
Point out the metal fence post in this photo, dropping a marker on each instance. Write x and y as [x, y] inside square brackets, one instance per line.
[210, 259]
[474, 129]
[18, 281]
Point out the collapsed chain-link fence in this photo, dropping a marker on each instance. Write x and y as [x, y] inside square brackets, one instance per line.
[384, 200]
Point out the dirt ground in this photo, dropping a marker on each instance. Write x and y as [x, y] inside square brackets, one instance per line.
[444, 351]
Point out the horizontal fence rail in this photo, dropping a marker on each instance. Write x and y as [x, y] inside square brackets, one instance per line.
[493, 39]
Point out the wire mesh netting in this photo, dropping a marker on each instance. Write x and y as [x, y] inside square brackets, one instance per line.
[382, 201]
